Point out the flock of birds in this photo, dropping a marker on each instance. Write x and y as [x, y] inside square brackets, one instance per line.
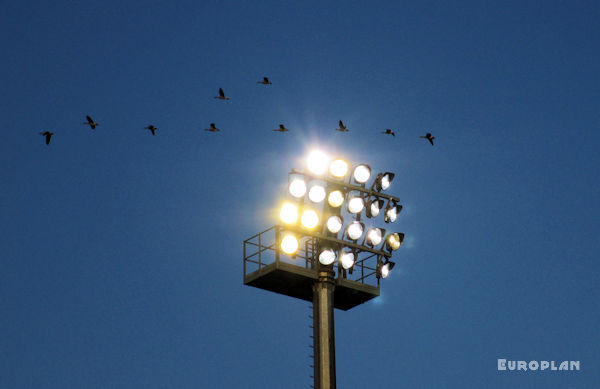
[212, 128]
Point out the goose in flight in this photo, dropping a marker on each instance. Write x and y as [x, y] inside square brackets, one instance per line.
[212, 128]
[342, 128]
[265, 81]
[389, 132]
[281, 128]
[221, 95]
[151, 128]
[48, 135]
[90, 122]
[429, 137]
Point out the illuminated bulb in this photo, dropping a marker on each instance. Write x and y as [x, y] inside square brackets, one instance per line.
[309, 219]
[385, 271]
[327, 256]
[289, 244]
[347, 260]
[356, 205]
[373, 208]
[334, 224]
[317, 162]
[338, 168]
[355, 230]
[394, 241]
[289, 213]
[316, 194]
[362, 173]
[297, 188]
[335, 199]
[374, 236]
[385, 182]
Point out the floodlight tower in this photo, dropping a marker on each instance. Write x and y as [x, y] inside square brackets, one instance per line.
[313, 255]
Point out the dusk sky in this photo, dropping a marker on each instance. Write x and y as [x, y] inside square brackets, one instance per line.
[121, 252]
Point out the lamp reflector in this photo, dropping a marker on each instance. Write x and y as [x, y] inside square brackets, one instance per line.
[356, 205]
[391, 213]
[336, 198]
[338, 168]
[373, 207]
[394, 241]
[297, 187]
[334, 224]
[362, 173]
[289, 244]
[347, 259]
[327, 256]
[355, 230]
[386, 268]
[289, 213]
[374, 236]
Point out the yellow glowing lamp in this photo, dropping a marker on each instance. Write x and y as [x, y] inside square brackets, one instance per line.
[309, 219]
[289, 244]
[289, 213]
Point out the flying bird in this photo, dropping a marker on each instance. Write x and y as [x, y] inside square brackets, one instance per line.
[90, 122]
[429, 137]
[342, 127]
[212, 128]
[265, 81]
[221, 95]
[151, 128]
[388, 131]
[281, 128]
[48, 135]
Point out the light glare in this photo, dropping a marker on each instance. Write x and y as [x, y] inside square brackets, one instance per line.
[297, 188]
[317, 162]
[289, 213]
[374, 236]
[309, 219]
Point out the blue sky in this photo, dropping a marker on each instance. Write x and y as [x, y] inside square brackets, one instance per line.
[121, 259]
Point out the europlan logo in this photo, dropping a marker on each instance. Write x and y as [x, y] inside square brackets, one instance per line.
[504, 364]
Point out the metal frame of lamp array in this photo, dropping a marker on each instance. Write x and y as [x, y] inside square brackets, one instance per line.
[369, 200]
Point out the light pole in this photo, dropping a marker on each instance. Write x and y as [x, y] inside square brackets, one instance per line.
[316, 255]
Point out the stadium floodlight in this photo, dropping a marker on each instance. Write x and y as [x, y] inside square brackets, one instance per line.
[383, 181]
[391, 212]
[309, 219]
[385, 268]
[289, 244]
[317, 162]
[374, 236]
[317, 193]
[356, 204]
[327, 256]
[355, 230]
[394, 241]
[297, 187]
[338, 168]
[373, 207]
[347, 259]
[362, 173]
[289, 213]
[335, 198]
[334, 224]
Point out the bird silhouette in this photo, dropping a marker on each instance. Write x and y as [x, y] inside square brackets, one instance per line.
[265, 81]
[281, 128]
[429, 137]
[151, 128]
[221, 95]
[212, 128]
[90, 122]
[48, 135]
[342, 127]
[388, 131]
